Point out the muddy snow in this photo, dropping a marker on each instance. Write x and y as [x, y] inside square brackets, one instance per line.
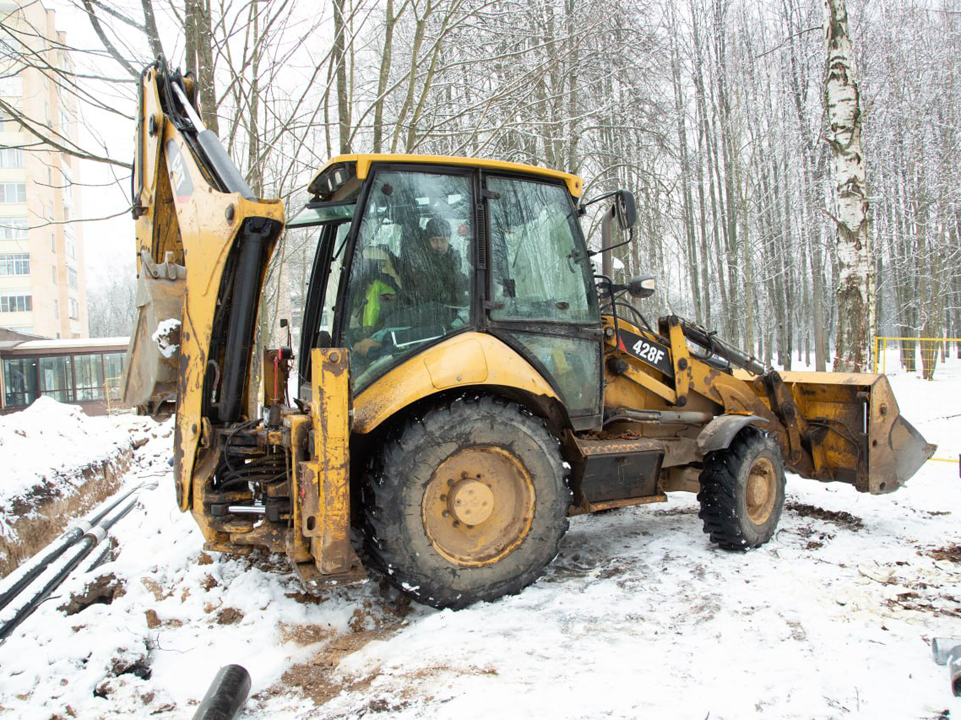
[639, 616]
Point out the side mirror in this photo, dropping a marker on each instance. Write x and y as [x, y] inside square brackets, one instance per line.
[625, 209]
[283, 322]
[642, 286]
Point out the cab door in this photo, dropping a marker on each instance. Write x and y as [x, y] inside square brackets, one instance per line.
[410, 275]
[540, 295]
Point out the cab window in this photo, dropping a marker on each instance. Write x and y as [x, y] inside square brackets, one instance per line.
[409, 281]
[539, 268]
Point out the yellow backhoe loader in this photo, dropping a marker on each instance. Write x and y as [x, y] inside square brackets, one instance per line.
[465, 380]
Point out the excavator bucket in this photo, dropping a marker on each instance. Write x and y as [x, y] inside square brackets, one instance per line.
[855, 431]
[150, 380]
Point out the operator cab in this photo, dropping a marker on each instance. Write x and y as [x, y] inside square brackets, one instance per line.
[413, 250]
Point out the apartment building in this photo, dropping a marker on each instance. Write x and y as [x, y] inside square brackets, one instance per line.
[42, 279]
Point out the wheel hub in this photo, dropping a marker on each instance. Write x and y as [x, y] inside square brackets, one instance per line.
[478, 506]
[761, 490]
[470, 501]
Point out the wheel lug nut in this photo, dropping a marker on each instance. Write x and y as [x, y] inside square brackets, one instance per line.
[456, 524]
[445, 514]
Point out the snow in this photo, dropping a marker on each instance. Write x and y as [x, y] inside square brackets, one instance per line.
[639, 616]
[164, 334]
[47, 445]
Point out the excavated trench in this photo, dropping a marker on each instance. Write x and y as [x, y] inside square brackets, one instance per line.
[38, 517]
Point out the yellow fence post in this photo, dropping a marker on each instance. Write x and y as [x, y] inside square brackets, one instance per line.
[883, 341]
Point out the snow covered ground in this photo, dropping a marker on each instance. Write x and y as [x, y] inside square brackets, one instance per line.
[45, 443]
[45, 450]
[639, 616]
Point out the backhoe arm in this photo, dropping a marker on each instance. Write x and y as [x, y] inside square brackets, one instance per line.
[203, 245]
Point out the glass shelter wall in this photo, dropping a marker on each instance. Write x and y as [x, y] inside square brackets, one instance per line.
[67, 378]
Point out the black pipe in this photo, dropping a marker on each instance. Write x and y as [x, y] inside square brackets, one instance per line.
[226, 695]
[90, 540]
[954, 671]
[20, 578]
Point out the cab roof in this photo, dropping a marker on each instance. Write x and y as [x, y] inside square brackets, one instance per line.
[324, 177]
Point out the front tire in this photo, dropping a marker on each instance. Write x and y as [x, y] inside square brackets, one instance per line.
[742, 491]
[467, 501]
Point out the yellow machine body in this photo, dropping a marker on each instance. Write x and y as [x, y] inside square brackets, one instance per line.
[287, 477]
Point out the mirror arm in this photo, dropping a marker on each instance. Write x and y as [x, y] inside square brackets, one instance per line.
[630, 238]
[598, 198]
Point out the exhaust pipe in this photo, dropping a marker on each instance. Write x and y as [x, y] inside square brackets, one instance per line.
[226, 695]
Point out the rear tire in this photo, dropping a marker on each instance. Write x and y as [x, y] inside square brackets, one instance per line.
[742, 491]
[467, 501]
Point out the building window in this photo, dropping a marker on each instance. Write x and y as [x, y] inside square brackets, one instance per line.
[56, 378]
[74, 308]
[72, 280]
[88, 373]
[53, 243]
[13, 228]
[11, 86]
[56, 309]
[67, 185]
[10, 47]
[113, 373]
[16, 303]
[13, 192]
[19, 381]
[70, 244]
[11, 158]
[53, 274]
[14, 264]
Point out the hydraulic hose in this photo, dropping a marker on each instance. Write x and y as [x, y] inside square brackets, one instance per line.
[55, 574]
[20, 578]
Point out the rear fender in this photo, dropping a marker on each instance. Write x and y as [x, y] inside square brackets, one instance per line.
[718, 434]
[464, 361]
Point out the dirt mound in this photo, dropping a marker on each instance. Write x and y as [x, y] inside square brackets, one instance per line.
[840, 518]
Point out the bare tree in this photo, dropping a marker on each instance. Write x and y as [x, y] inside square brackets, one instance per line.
[842, 102]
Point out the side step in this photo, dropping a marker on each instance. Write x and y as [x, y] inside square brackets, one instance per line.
[615, 473]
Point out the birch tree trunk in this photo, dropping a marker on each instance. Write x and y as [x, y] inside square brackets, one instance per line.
[843, 106]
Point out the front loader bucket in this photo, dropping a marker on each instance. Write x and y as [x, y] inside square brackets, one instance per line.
[150, 379]
[896, 449]
[854, 431]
